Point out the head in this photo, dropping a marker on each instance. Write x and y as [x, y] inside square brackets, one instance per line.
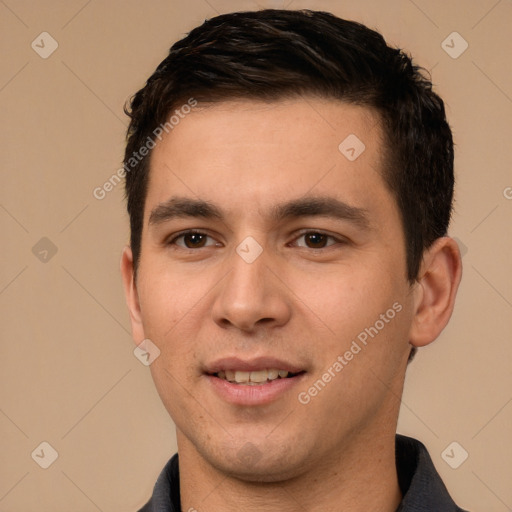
[261, 102]
[271, 55]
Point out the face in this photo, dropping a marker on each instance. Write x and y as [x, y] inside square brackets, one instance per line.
[273, 281]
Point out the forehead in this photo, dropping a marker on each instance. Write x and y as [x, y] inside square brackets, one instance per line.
[242, 154]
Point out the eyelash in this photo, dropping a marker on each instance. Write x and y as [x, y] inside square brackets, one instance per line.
[172, 241]
[338, 241]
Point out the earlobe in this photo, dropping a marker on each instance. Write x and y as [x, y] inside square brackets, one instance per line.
[437, 285]
[131, 294]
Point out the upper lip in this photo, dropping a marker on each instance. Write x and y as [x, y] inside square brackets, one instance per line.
[250, 365]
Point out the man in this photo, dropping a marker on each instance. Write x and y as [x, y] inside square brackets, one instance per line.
[289, 180]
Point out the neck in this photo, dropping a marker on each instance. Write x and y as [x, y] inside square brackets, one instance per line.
[358, 476]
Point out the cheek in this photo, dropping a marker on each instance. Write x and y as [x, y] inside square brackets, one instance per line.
[168, 317]
[167, 297]
[348, 299]
[363, 316]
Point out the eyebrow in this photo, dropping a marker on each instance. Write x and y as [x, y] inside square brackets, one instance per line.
[321, 207]
[184, 207]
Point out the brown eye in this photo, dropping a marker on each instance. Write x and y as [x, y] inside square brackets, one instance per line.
[316, 240]
[194, 240]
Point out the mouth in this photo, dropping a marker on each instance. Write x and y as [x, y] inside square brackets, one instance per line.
[253, 382]
[255, 378]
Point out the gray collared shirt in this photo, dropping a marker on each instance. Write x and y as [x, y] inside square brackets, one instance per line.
[421, 486]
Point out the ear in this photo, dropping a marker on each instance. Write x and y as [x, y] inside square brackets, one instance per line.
[436, 288]
[131, 295]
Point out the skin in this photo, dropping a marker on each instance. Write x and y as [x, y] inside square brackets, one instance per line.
[298, 301]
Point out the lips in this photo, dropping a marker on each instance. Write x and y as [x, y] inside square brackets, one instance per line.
[252, 382]
[251, 365]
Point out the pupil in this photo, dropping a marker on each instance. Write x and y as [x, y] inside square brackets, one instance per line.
[316, 240]
[194, 239]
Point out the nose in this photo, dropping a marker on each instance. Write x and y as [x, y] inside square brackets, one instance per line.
[251, 296]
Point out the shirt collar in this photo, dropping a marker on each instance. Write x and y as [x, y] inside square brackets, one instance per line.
[421, 486]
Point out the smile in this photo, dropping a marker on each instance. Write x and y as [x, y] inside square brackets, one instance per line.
[253, 378]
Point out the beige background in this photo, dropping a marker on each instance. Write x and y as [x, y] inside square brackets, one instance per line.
[69, 376]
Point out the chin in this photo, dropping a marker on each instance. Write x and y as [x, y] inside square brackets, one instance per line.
[262, 472]
[253, 462]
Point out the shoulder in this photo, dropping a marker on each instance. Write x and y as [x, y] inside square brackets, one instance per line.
[166, 493]
[422, 487]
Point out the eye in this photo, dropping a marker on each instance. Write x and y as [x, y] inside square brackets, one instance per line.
[193, 240]
[315, 240]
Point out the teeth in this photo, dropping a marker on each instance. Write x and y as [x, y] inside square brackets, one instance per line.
[273, 374]
[242, 376]
[252, 378]
[259, 376]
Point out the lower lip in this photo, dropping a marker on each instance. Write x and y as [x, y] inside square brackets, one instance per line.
[242, 394]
